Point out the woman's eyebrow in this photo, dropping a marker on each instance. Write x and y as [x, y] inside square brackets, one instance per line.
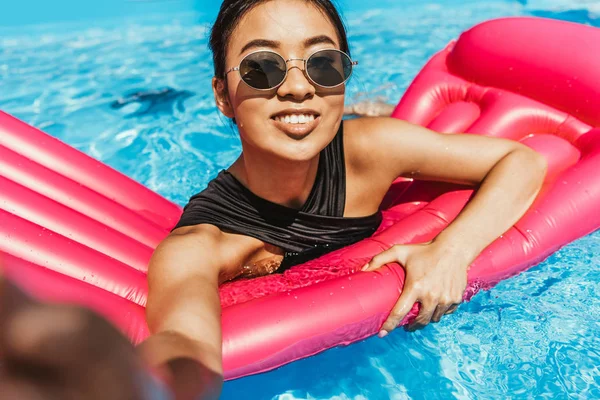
[274, 44]
[260, 43]
[321, 39]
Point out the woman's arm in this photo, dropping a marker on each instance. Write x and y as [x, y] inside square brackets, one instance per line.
[183, 310]
[509, 176]
[67, 352]
[508, 173]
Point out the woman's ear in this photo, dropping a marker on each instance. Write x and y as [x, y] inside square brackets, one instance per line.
[222, 97]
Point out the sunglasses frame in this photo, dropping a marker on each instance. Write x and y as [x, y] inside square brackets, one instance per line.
[305, 61]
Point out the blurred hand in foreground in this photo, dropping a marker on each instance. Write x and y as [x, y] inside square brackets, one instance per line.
[62, 352]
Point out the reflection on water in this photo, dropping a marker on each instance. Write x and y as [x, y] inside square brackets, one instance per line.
[159, 101]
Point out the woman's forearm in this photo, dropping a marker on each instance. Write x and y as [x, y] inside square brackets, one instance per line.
[185, 349]
[504, 196]
[183, 313]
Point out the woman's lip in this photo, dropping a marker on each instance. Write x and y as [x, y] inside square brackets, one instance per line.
[297, 131]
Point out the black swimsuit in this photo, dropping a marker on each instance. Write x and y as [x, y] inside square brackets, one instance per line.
[306, 233]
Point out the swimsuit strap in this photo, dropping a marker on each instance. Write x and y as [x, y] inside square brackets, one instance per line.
[328, 195]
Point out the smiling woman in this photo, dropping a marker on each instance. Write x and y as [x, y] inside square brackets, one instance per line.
[307, 183]
[294, 30]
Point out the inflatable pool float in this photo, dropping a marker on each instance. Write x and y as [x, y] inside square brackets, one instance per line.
[74, 230]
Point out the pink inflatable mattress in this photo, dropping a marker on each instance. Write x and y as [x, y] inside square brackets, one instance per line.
[74, 230]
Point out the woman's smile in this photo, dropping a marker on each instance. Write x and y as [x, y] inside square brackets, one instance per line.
[296, 123]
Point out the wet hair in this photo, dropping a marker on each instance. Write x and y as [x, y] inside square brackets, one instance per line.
[232, 11]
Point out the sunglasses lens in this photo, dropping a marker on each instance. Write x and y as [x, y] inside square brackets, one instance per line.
[329, 68]
[263, 70]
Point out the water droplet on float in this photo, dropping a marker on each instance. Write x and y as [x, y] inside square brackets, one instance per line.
[342, 287]
[331, 293]
[296, 297]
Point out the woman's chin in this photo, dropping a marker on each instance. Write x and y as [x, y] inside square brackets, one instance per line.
[298, 150]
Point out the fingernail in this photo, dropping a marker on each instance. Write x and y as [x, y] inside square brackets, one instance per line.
[365, 267]
[382, 334]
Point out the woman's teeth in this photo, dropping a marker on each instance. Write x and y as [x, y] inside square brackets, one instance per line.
[295, 119]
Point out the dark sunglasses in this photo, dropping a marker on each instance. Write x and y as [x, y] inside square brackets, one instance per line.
[266, 70]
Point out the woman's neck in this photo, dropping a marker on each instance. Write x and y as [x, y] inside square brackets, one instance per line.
[284, 182]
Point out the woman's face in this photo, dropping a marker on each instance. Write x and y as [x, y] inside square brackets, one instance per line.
[294, 29]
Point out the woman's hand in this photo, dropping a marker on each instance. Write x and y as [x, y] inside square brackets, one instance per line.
[62, 352]
[436, 277]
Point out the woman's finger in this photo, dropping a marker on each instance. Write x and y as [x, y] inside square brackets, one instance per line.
[425, 314]
[439, 312]
[402, 307]
[391, 255]
[452, 308]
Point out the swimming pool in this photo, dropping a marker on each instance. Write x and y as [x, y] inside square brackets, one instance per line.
[533, 335]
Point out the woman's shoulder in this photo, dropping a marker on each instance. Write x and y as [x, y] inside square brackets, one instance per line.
[373, 125]
[209, 244]
[384, 146]
[366, 138]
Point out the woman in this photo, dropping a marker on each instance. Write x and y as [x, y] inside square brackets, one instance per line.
[280, 69]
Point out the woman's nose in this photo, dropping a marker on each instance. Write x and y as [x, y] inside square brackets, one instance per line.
[296, 84]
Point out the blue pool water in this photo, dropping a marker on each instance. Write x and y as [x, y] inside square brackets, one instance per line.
[534, 335]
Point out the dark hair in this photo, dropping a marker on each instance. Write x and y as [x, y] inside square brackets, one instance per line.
[231, 13]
